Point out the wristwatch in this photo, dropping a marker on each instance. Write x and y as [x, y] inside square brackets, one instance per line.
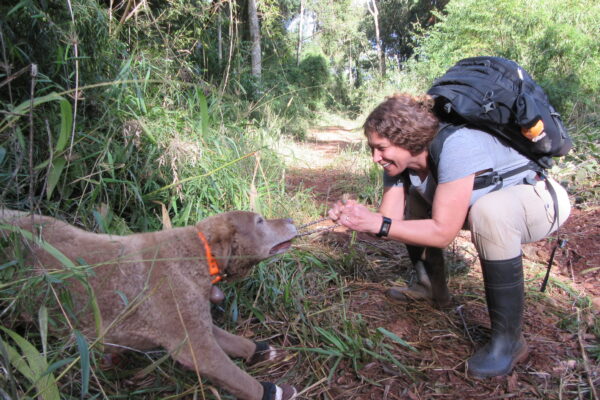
[385, 227]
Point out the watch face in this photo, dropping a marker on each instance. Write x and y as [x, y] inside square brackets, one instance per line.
[385, 227]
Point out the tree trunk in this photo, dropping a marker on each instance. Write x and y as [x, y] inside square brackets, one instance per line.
[300, 32]
[255, 39]
[372, 5]
[232, 33]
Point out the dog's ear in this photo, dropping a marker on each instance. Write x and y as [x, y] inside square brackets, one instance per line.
[220, 233]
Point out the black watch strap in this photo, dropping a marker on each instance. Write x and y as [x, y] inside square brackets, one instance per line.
[385, 227]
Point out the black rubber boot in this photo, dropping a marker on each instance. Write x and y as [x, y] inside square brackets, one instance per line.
[431, 282]
[504, 292]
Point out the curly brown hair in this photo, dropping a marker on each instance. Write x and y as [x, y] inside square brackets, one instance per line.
[405, 120]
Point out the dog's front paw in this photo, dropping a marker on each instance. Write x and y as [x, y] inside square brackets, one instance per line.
[278, 392]
[265, 353]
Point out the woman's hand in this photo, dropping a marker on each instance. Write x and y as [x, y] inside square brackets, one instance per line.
[355, 216]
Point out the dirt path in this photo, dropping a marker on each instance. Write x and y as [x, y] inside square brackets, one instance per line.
[318, 164]
[325, 165]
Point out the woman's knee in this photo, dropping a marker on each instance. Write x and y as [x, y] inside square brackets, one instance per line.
[495, 227]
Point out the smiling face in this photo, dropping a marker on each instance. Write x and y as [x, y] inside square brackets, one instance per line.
[394, 159]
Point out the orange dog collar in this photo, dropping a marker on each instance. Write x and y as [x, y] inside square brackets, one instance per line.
[213, 267]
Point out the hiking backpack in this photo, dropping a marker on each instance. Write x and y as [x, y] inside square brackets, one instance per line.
[496, 95]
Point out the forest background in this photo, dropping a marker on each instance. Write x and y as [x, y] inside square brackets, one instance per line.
[124, 116]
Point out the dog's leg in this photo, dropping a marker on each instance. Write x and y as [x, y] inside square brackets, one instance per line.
[212, 363]
[187, 333]
[233, 345]
[251, 352]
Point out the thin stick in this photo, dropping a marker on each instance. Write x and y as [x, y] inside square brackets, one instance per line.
[462, 317]
[51, 159]
[75, 41]
[34, 71]
[7, 68]
[187, 336]
[17, 149]
[231, 39]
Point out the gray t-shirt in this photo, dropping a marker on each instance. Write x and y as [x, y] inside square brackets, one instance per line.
[468, 151]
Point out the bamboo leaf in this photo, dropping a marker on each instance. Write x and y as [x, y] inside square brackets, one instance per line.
[22, 108]
[9, 375]
[53, 251]
[95, 310]
[84, 358]
[333, 353]
[8, 264]
[33, 366]
[59, 364]
[333, 339]
[396, 338]
[66, 124]
[16, 8]
[17, 361]
[43, 320]
[123, 297]
[58, 165]
[589, 270]
[203, 111]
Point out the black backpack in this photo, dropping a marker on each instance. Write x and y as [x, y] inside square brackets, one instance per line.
[496, 95]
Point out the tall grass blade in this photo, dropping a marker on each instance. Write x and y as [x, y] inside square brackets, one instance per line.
[32, 365]
[84, 358]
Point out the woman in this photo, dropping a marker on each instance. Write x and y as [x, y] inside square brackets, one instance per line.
[426, 210]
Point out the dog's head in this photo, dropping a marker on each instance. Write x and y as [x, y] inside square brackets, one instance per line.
[242, 238]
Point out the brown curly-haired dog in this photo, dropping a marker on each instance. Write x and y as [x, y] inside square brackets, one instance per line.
[153, 289]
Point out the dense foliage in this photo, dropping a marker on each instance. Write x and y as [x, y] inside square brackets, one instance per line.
[555, 41]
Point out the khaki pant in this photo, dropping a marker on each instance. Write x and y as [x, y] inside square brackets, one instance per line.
[502, 220]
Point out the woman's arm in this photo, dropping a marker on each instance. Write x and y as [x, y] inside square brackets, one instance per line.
[392, 203]
[450, 208]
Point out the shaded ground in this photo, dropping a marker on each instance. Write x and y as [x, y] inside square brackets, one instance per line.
[559, 327]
